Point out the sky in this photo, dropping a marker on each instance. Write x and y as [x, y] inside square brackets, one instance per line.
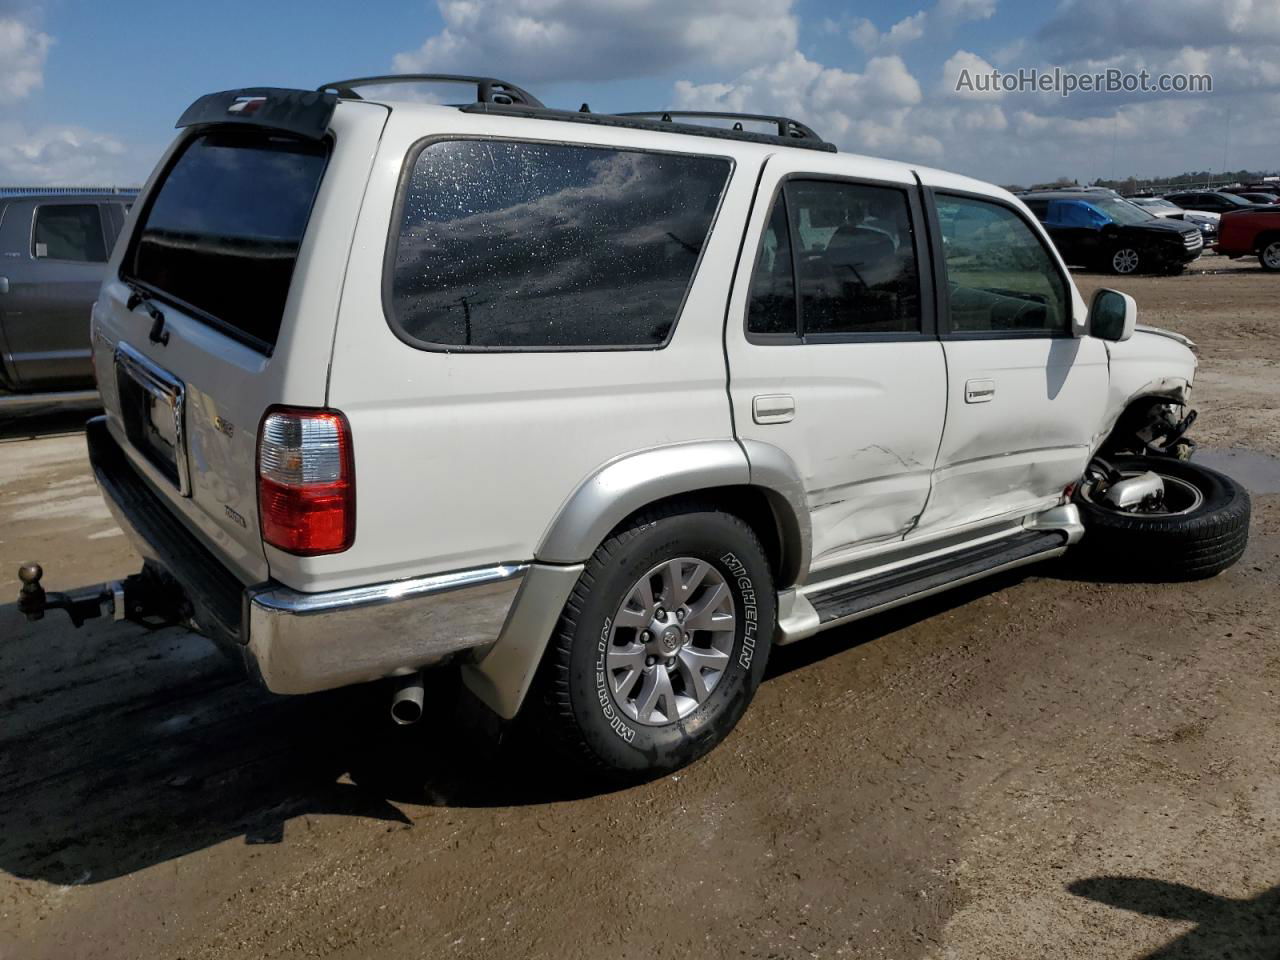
[89, 91]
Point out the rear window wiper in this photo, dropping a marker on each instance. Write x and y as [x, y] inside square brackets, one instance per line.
[138, 297]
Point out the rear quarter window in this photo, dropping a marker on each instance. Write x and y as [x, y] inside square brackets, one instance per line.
[512, 245]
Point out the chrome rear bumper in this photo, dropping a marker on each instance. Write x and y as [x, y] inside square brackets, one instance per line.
[303, 642]
[297, 642]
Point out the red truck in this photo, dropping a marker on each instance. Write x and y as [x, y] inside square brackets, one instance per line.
[1249, 232]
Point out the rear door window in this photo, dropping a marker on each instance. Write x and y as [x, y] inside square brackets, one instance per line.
[221, 233]
[537, 246]
[851, 250]
[69, 231]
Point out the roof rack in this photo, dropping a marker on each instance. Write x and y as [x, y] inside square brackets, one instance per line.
[488, 89]
[503, 98]
[644, 122]
[786, 126]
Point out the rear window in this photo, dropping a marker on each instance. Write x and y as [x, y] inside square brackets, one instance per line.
[221, 233]
[536, 246]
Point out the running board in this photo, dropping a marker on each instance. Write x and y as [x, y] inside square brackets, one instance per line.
[804, 614]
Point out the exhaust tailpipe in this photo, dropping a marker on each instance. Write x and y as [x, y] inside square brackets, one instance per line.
[406, 702]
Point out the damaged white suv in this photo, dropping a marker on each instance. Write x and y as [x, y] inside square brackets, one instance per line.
[598, 408]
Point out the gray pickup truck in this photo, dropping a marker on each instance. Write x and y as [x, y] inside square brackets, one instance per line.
[53, 257]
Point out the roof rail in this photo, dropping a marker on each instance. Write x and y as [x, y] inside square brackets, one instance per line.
[786, 126]
[644, 122]
[488, 89]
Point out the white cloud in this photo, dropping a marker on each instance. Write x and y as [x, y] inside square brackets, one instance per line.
[967, 67]
[584, 40]
[945, 15]
[959, 10]
[906, 30]
[22, 54]
[1095, 28]
[870, 110]
[63, 155]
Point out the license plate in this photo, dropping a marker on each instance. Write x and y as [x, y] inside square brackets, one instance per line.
[152, 408]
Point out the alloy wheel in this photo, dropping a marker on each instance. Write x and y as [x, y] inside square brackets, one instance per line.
[670, 641]
[1271, 255]
[1125, 260]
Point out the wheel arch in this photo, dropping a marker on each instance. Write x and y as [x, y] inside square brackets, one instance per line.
[1264, 238]
[756, 481]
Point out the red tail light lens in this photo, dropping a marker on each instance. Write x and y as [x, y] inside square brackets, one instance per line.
[306, 481]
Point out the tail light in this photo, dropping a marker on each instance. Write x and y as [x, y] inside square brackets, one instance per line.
[306, 481]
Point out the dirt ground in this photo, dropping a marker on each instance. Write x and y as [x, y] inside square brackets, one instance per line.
[1040, 766]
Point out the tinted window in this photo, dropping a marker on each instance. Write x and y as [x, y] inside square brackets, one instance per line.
[1073, 213]
[70, 231]
[1039, 207]
[545, 246]
[223, 229]
[855, 259]
[773, 288]
[1000, 277]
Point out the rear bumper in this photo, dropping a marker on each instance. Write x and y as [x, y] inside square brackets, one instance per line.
[304, 642]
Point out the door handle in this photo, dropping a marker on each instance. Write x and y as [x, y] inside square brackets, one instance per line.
[979, 391]
[773, 408]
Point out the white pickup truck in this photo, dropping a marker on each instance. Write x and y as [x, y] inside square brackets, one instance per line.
[598, 408]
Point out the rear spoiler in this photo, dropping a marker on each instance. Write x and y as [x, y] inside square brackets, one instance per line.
[305, 113]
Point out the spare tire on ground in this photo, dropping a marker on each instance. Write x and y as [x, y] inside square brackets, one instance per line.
[1200, 528]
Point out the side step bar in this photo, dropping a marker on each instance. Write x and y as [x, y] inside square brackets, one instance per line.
[802, 614]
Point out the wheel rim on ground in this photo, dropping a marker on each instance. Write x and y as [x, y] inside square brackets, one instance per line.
[1271, 255]
[1180, 497]
[670, 641]
[1125, 260]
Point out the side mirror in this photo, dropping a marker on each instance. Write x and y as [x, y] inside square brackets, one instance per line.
[1112, 316]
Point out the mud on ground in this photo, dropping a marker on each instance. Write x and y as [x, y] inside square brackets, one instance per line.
[1040, 766]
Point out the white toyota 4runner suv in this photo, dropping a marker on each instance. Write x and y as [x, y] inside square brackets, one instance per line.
[598, 408]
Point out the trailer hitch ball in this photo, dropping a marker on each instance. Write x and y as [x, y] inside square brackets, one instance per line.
[31, 598]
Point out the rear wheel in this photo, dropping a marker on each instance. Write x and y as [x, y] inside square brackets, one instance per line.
[662, 643]
[1196, 528]
[1269, 255]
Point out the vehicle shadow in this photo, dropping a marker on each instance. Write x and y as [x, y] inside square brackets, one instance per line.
[1243, 929]
[30, 426]
[122, 748]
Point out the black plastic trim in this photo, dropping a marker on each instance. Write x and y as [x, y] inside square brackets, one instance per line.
[214, 592]
[488, 89]
[304, 113]
[635, 123]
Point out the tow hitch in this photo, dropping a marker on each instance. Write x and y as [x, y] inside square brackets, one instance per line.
[146, 598]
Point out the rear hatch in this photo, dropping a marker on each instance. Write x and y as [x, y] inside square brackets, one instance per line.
[221, 299]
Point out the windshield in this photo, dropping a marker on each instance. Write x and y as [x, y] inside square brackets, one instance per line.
[1234, 200]
[1122, 211]
[1154, 203]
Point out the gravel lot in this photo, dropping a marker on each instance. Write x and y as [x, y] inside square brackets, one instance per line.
[1042, 766]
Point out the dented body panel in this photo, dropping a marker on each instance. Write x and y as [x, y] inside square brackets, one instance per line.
[1154, 363]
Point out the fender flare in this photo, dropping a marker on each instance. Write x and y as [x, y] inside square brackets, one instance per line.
[501, 676]
[632, 482]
